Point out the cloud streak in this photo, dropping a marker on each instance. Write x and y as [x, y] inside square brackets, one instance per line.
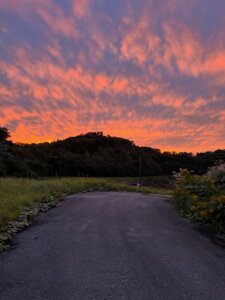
[151, 73]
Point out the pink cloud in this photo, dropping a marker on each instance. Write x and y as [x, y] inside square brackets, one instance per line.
[150, 76]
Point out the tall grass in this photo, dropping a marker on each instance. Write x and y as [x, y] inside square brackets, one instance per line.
[17, 194]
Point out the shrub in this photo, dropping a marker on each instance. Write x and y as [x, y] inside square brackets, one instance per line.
[217, 173]
[199, 199]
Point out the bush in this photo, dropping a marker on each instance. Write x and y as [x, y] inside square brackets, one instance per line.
[217, 173]
[200, 199]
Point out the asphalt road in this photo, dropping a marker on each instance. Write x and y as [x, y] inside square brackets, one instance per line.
[112, 246]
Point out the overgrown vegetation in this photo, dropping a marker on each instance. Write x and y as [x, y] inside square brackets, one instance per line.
[202, 198]
[23, 199]
[96, 155]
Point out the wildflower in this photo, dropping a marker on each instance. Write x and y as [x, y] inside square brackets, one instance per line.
[214, 199]
[194, 197]
[211, 210]
[185, 172]
[222, 199]
[202, 204]
[203, 213]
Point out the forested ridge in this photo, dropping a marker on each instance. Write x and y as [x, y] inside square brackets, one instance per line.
[94, 154]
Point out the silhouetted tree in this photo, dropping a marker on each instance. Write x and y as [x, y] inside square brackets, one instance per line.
[4, 134]
[94, 154]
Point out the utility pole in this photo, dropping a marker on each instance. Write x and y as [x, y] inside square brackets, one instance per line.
[60, 168]
[140, 171]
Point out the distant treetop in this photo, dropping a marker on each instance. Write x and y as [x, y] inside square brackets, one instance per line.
[4, 134]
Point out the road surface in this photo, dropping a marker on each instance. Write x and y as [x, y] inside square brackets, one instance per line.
[112, 246]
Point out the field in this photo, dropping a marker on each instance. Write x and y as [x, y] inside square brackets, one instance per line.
[17, 195]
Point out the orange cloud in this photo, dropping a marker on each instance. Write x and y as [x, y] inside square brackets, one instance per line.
[101, 82]
[120, 84]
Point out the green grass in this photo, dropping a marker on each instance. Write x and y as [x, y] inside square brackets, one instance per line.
[18, 194]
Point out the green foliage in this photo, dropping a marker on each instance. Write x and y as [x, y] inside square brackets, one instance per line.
[198, 198]
[25, 218]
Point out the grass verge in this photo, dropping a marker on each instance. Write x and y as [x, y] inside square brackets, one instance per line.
[23, 199]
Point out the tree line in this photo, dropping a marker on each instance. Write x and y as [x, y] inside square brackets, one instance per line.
[94, 154]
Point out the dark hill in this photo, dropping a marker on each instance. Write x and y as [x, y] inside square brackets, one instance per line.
[94, 154]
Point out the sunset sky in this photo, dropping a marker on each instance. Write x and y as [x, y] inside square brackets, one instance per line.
[148, 70]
